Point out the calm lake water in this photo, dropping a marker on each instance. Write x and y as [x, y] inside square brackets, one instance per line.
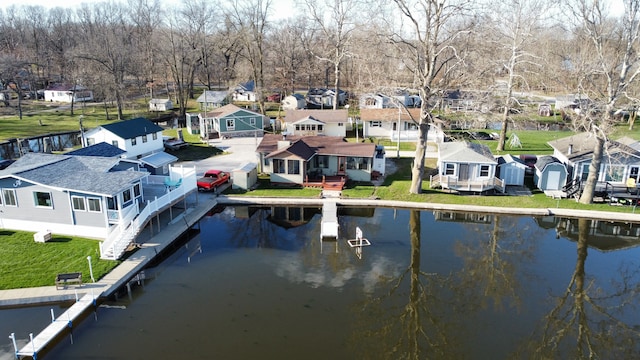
[259, 283]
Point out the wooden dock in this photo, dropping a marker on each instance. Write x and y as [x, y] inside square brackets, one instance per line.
[329, 224]
[57, 326]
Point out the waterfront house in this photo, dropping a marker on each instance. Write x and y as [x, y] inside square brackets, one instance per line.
[383, 123]
[316, 122]
[137, 137]
[307, 160]
[231, 121]
[466, 167]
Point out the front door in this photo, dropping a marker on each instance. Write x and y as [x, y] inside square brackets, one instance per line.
[342, 164]
[463, 172]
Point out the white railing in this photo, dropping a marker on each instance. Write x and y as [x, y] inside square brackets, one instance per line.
[448, 182]
[131, 223]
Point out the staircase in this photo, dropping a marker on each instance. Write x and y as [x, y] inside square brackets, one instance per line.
[573, 188]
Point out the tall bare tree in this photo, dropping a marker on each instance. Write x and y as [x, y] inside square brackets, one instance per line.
[433, 28]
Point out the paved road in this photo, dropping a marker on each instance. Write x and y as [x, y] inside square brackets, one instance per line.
[238, 152]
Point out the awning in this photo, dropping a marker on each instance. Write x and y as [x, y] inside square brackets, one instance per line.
[158, 159]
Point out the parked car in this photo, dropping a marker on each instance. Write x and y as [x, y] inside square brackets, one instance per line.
[273, 98]
[212, 179]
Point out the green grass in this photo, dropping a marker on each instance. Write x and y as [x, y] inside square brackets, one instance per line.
[197, 150]
[25, 263]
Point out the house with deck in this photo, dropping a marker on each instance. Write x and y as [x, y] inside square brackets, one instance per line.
[316, 122]
[466, 167]
[231, 121]
[398, 123]
[105, 198]
[318, 160]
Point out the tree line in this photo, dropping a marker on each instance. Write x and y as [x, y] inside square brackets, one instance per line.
[429, 46]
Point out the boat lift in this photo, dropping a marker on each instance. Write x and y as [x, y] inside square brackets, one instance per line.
[358, 242]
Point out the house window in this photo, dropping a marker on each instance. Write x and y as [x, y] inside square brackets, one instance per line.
[293, 167]
[340, 124]
[321, 161]
[614, 173]
[585, 172]
[252, 122]
[114, 143]
[144, 139]
[134, 142]
[633, 173]
[112, 203]
[375, 123]
[450, 169]
[136, 190]
[297, 127]
[266, 161]
[320, 128]
[357, 163]
[9, 197]
[155, 136]
[94, 205]
[42, 199]
[78, 203]
[484, 170]
[231, 124]
[278, 166]
[126, 196]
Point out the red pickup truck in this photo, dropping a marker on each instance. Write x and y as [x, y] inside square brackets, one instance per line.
[212, 179]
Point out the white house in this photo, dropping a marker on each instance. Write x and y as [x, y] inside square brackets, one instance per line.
[138, 137]
[160, 105]
[384, 123]
[245, 92]
[294, 102]
[68, 93]
[317, 122]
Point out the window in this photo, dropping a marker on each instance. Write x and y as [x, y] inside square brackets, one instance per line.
[252, 121]
[231, 124]
[94, 205]
[42, 199]
[614, 173]
[321, 161]
[357, 163]
[9, 197]
[484, 170]
[112, 203]
[266, 161]
[126, 196]
[293, 167]
[134, 142]
[375, 123]
[450, 169]
[155, 136]
[144, 139]
[340, 124]
[297, 127]
[136, 190]
[278, 166]
[585, 172]
[78, 203]
[320, 127]
[114, 143]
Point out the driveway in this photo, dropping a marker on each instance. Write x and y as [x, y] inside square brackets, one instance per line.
[237, 152]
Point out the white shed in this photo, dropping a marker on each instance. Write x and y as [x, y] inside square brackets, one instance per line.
[160, 105]
[245, 177]
[511, 170]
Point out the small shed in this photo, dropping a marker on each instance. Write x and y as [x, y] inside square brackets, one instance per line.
[550, 173]
[245, 177]
[160, 105]
[511, 170]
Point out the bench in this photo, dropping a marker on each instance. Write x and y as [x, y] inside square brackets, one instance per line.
[62, 280]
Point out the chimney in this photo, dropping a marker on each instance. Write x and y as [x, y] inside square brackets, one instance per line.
[570, 150]
[283, 144]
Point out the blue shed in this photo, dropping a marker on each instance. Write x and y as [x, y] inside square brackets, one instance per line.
[550, 173]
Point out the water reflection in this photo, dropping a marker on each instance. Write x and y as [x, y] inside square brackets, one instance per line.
[257, 282]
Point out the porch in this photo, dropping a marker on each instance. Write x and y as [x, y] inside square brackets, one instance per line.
[478, 186]
[326, 182]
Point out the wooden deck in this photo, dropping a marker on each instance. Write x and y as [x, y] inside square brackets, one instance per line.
[326, 182]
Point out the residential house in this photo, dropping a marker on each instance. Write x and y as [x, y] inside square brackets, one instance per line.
[294, 159]
[231, 121]
[382, 101]
[140, 138]
[317, 122]
[245, 92]
[209, 99]
[67, 93]
[511, 170]
[294, 102]
[160, 105]
[621, 159]
[466, 167]
[318, 98]
[384, 123]
[550, 174]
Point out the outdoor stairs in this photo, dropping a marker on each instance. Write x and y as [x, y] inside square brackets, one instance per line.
[573, 188]
[121, 244]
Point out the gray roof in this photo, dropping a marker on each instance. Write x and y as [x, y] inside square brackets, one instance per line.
[159, 159]
[130, 129]
[89, 174]
[545, 160]
[216, 97]
[325, 116]
[509, 159]
[465, 152]
[100, 149]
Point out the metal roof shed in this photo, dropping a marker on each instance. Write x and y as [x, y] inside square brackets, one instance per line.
[245, 177]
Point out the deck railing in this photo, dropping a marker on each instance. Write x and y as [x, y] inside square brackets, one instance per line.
[449, 182]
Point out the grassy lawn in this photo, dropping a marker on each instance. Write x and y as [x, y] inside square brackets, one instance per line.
[26, 263]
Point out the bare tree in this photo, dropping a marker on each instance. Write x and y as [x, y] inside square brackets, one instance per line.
[615, 66]
[430, 44]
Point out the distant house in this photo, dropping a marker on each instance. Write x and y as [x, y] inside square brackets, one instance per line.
[212, 99]
[294, 102]
[318, 98]
[245, 92]
[160, 105]
[466, 167]
[550, 173]
[67, 93]
[137, 137]
[297, 159]
[231, 121]
[383, 101]
[571, 101]
[384, 123]
[511, 170]
[316, 122]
